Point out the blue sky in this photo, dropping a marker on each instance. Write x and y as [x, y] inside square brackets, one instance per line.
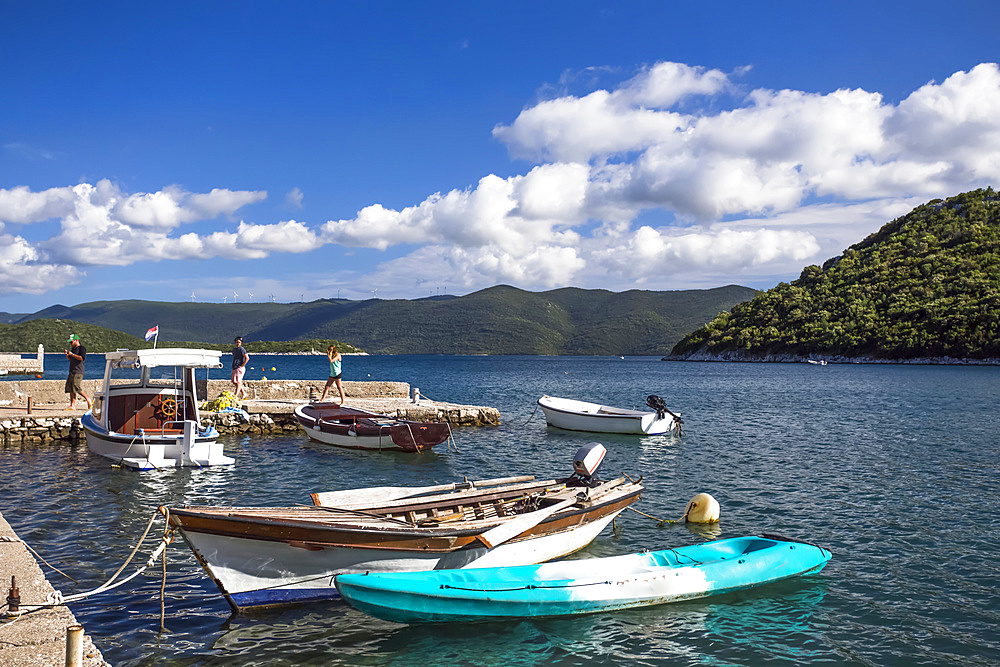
[308, 150]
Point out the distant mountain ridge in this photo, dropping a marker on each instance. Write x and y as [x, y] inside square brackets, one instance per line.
[925, 286]
[497, 320]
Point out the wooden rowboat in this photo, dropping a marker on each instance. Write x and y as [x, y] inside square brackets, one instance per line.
[266, 556]
[334, 424]
[584, 586]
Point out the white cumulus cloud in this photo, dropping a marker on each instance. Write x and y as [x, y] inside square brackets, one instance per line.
[674, 175]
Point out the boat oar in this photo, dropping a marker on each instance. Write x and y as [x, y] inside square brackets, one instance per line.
[382, 494]
[521, 524]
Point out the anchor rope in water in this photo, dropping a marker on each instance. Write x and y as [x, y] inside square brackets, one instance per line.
[659, 521]
[533, 412]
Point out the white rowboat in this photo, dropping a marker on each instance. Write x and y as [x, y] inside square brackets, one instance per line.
[573, 415]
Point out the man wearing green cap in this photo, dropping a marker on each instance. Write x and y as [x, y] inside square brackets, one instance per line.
[74, 381]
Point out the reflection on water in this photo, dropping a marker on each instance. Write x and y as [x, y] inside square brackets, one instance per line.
[894, 469]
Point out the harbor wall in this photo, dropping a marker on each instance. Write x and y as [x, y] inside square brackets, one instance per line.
[15, 393]
[39, 637]
[269, 410]
[22, 364]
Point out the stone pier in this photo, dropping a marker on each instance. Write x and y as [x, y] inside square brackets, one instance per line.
[17, 364]
[271, 407]
[38, 637]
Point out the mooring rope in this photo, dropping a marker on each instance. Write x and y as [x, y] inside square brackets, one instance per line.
[5, 538]
[531, 417]
[57, 599]
[660, 522]
[452, 444]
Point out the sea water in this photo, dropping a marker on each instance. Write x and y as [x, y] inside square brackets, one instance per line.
[894, 468]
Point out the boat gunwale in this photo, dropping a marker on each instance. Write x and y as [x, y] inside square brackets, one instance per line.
[457, 530]
[635, 415]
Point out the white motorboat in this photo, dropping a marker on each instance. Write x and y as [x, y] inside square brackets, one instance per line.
[573, 415]
[152, 421]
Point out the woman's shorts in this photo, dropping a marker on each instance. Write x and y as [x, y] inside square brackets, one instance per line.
[333, 377]
[74, 384]
[238, 373]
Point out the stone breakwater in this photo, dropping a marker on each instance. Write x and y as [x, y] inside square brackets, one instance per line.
[270, 408]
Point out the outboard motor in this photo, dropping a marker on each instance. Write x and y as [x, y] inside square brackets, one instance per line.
[586, 461]
[658, 404]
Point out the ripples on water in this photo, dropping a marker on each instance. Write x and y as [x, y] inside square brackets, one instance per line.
[893, 468]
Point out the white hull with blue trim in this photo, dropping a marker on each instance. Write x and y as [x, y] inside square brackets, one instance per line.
[152, 421]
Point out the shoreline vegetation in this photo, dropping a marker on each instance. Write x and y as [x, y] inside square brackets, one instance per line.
[833, 359]
[924, 287]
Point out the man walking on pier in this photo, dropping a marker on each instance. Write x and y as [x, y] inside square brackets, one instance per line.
[74, 381]
[240, 359]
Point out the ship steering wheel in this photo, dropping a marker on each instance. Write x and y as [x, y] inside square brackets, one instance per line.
[166, 410]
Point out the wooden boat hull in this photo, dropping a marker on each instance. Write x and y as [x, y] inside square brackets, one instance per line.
[359, 429]
[584, 586]
[258, 573]
[262, 557]
[572, 415]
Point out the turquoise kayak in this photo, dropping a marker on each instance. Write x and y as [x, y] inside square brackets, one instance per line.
[583, 586]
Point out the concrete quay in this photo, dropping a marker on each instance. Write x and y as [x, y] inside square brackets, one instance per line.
[38, 637]
[271, 407]
[22, 364]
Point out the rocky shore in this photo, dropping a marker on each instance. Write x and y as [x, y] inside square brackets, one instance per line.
[831, 359]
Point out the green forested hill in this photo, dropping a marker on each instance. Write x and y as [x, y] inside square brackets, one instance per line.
[925, 285]
[53, 334]
[498, 320]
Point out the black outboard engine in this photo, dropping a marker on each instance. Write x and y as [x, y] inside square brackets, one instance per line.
[657, 404]
[586, 461]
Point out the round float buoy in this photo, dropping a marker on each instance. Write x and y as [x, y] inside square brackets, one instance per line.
[38, 376]
[703, 508]
[273, 368]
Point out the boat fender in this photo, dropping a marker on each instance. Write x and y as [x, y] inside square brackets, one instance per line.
[703, 508]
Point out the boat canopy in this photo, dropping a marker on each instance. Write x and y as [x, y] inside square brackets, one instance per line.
[164, 356]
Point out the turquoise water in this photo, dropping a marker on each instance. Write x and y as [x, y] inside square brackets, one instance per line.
[892, 468]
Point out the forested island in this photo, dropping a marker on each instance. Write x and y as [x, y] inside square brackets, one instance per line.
[925, 286]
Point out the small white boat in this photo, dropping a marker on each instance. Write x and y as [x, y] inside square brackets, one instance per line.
[816, 362]
[153, 422]
[573, 415]
[269, 556]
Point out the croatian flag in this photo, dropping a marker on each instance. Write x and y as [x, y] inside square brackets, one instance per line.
[153, 333]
